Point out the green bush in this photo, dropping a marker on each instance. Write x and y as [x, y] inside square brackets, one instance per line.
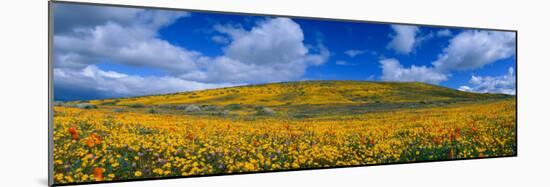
[86, 106]
[233, 106]
[136, 105]
[152, 111]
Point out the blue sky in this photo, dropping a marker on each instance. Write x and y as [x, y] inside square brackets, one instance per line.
[104, 52]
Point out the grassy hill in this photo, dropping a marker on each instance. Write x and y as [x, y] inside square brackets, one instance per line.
[307, 98]
[310, 92]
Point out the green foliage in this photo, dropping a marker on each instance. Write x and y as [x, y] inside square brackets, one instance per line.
[86, 106]
[136, 105]
[152, 111]
[110, 103]
[233, 107]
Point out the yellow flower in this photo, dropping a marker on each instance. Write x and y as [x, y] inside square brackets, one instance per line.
[172, 143]
[84, 177]
[59, 176]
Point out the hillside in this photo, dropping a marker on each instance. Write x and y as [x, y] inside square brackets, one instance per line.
[310, 93]
[299, 99]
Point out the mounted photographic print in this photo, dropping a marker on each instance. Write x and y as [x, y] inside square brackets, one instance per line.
[140, 93]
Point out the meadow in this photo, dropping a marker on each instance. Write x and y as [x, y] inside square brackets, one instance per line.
[279, 126]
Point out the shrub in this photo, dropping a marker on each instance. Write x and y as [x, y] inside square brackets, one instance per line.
[152, 111]
[301, 116]
[58, 103]
[166, 106]
[181, 107]
[225, 112]
[86, 106]
[210, 107]
[136, 105]
[264, 111]
[117, 110]
[221, 113]
[233, 106]
[192, 108]
[110, 103]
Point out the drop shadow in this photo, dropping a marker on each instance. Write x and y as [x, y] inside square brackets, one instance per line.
[42, 181]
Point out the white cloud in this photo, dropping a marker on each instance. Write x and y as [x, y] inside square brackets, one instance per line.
[271, 51]
[465, 88]
[114, 84]
[73, 16]
[371, 78]
[341, 62]
[423, 37]
[87, 35]
[234, 31]
[444, 33]
[225, 69]
[353, 52]
[69, 17]
[128, 46]
[498, 84]
[475, 49]
[466, 51]
[404, 39]
[133, 44]
[220, 39]
[392, 70]
[273, 41]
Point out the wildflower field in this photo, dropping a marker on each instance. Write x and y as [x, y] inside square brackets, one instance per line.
[280, 126]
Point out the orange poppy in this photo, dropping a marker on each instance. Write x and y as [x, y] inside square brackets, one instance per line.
[98, 174]
[93, 140]
[73, 133]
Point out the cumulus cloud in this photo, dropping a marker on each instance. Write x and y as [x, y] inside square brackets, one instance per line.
[392, 70]
[128, 46]
[354, 52]
[341, 62]
[69, 17]
[273, 41]
[273, 50]
[404, 39]
[86, 35]
[127, 43]
[498, 84]
[474, 49]
[72, 16]
[444, 33]
[468, 50]
[114, 84]
[220, 39]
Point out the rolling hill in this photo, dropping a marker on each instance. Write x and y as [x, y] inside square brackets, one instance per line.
[311, 93]
[306, 98]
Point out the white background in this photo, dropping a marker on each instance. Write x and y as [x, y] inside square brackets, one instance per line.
[23, 71]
